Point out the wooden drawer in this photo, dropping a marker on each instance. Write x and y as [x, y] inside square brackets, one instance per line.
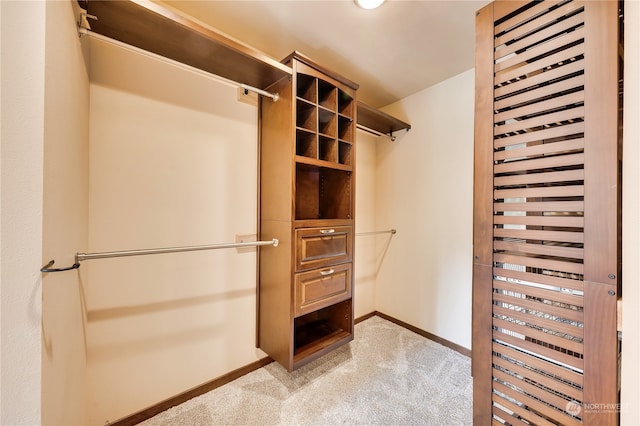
[320, 247]
[322, 287]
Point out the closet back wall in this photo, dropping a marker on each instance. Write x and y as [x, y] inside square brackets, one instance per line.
[172, 163]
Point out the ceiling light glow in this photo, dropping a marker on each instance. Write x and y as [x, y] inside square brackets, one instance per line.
[369, 4]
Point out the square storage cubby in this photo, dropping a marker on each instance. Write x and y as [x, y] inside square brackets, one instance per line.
[306, 116]
[306, 143]
[327, 95]
[345, 128]
[322, 329]
[345, 104]
[327, 123]
[328, 149]
[306, 88]
[344, 153]
[322, 193]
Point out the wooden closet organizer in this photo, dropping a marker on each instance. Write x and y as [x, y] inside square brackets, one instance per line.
[307, 170]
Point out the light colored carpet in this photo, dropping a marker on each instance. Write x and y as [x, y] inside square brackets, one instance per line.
[387, 376]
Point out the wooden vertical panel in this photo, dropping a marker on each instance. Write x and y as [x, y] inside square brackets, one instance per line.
[483, 218]
[601, 213]
[554, 232]
[601, 141]
[483, 134]
[600, 389]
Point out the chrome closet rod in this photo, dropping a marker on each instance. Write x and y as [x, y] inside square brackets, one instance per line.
[390, 231]
[105, 255]
[375, 132]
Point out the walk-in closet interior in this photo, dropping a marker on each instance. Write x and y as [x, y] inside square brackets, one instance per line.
[181, 207]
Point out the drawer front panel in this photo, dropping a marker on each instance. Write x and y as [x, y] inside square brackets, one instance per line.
[319, 247]
[322, 287]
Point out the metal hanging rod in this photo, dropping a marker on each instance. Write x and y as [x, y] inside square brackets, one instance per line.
[390, 135]
[84, 31]
[80, 257]
[390, 231]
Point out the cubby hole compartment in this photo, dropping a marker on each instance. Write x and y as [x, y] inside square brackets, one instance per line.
[322, 330]
[327, 122]
[327, 94]
[322, 193]
[306, 116]
[328, 149]
[345, 104]
[345, 128]
[306, 88]
[344, 153]
[306, 144]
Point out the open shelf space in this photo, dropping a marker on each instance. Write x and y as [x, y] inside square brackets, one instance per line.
[322, 193]
[320, 331]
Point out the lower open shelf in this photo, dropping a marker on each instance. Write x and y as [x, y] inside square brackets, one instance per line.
[321, 331]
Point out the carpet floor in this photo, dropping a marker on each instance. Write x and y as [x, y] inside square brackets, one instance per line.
[387, 375]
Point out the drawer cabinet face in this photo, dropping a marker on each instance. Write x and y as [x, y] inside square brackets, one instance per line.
[322, 287]
[319, 247]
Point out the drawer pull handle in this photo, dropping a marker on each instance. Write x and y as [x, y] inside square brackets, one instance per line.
[329, 272]
[327, 231]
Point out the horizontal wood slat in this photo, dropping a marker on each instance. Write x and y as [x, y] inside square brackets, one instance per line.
[539, 235]
[548, 61]
[506, 417]
[550, 103]
[543, 77]
[544, 191]
[522, 412]
[542, 149]
[540, 163]
[547, 366]
[554, 132]
[541, 249]
[539, 292]
[540, 49]
[545, 380]
[534, 304]
[542, 395]
[554, 30]
[545, 279]
[541, 93]
[551, 206]
[545, 264]
[536, 23]
[506, 326]
[531, 319]
[534, 405]
[523, 16]
[540, 120]
[539, 350]
[534, 178]
[557, 221]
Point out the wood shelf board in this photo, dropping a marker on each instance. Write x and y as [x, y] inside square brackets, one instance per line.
[379, 121]
[315, 350]
[310, 62]
[162, 31]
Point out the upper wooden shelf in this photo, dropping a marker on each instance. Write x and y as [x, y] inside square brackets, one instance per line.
[158, 29]
[381, 122]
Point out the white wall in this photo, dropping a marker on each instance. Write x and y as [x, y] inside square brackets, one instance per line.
[23, 77]
[424, 187]
[367, 247]
[172, 163]
[65, 221]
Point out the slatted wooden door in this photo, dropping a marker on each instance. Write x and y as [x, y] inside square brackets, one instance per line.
[546, 244]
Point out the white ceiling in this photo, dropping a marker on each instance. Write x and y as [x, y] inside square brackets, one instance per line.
[392, 52]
